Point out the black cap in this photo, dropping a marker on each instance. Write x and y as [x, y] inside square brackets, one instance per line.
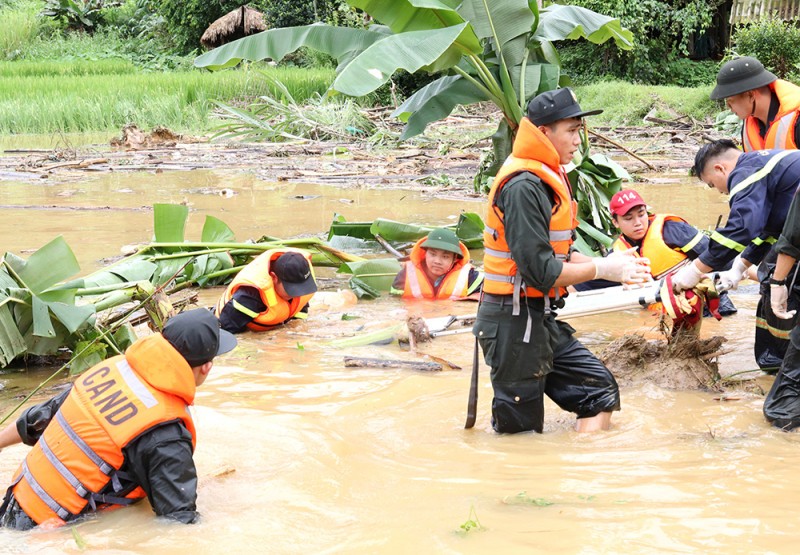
[294, 271]
[740, 75]
[554, 105]
[196, 335]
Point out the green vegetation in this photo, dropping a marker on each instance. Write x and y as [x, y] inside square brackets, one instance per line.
[79, 96]
[774, 42]
[662, 34]
[627, 103]
[20, 26]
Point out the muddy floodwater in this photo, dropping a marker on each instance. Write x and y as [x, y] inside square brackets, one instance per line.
[298, 454]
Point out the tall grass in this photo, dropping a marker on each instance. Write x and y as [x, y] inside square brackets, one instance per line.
[627, 103]
[32, 100]
[19, 24]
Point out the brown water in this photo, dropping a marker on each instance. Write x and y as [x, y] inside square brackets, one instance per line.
[328, 459]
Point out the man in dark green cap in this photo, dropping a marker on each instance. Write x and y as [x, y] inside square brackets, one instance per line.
[438, 268]
[768, 106]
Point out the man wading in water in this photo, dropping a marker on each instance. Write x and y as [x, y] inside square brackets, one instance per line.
[528, 263]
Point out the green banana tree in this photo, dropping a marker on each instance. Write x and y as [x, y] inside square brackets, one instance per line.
[499, 51]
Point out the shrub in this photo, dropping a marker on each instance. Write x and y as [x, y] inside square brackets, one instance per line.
[775, 43]
[662, 33]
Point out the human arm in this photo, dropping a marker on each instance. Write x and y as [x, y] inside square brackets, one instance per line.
[30, 425]
[243, 307]
[527, 209]
[399, 283]
[684, 237]
[160, 460]
[749, 213]
[788, 249]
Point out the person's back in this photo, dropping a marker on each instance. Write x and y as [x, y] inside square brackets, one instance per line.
[122, 432]
[272, 289]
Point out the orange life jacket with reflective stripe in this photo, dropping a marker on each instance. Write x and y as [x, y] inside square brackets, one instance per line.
[454, 284]
[109, 405]
[663, 258]
[500, 270]
[256, 275]
[781, 131]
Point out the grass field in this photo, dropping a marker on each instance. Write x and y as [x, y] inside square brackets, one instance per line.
[83, 95]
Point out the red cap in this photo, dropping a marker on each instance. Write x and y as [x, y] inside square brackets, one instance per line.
[623, 201]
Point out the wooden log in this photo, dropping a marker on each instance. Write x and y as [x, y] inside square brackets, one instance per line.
[361, 362]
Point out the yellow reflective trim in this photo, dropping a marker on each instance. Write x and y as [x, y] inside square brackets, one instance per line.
[760, 174]
[690, 245]
[761, 240]
[243, 309]
[725, 242]
[775, 332]
[476, 284]
[300, 316]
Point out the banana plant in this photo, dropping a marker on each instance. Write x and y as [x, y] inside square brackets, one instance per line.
[499, 51]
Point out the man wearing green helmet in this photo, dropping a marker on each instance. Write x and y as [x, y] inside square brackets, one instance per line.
[438, 268]
[768, 106]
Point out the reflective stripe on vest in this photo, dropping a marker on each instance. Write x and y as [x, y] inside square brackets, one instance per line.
[452, 285]
[500, 270]
[80, 452]
[461, 283]
[780, 133]
[760, 174]
[256, 275]
[783, 137]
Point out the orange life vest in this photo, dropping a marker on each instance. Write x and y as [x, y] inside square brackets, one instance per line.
[454, 285]
[663, 258]
[109, 405]
[256, 275]
[780, 133]
[534, 153]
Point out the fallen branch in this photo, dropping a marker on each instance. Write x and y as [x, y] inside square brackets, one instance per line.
[389, 248]
[616, 144]
[75, 164]
[359, 362]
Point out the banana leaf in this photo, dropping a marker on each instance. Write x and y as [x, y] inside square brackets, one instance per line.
[371, 277]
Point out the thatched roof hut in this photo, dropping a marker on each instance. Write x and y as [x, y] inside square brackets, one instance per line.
[239, 23]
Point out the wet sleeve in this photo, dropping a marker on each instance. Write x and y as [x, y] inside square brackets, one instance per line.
[526, 210]
[789, 241]
[475, 280]
[245, 305]
[399, 283]
[750, 209]
[34, 420]
[161, 462]
[685, 238]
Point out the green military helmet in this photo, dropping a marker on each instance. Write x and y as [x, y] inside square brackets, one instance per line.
[443, 239]
[740, 75]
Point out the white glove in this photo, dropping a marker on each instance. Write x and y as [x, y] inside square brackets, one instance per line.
[623, 268]
[778, 297]
[686, 278]
[729, 279]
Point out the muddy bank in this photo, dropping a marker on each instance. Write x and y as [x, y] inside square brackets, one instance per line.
[443, 163]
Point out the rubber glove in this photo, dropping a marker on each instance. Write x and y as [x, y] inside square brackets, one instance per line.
[778, 297]
[622, 267]
[729, 279]
[687, 277]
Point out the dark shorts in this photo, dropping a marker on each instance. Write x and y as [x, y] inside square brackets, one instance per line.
[552, 363]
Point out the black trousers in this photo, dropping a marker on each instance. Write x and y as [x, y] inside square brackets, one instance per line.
[552, 362]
